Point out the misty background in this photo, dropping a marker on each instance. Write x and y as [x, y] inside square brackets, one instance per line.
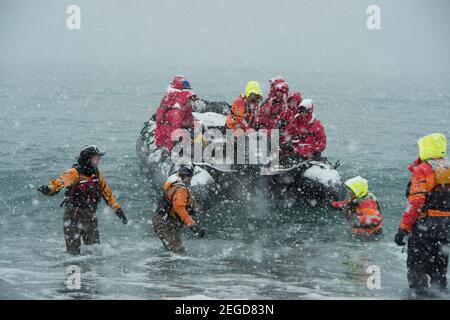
[285, 35]
[375, 92]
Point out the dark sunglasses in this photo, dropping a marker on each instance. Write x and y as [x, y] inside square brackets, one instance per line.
[302, 110]
[255, 97]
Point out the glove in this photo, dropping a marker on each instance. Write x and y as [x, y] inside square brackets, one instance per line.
[338, 204]
[198, 231]
[122, 216]
[316, 155]
[400, 237]
[45, 190]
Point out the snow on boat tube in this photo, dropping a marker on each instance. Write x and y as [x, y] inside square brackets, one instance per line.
[314, 180]
[320, 181]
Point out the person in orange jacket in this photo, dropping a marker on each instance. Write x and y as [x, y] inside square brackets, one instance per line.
[426, 220]
[361, 208]
[86, 185]
[241, 117]
[176, 210]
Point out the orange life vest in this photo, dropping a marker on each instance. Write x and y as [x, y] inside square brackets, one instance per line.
[437, 201]
[183, 208]
[369, 218]
[86, 193]
[240, 116]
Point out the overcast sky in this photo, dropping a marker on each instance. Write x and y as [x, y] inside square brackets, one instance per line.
[282, 34]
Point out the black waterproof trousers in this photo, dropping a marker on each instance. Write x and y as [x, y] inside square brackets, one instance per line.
[428, 252]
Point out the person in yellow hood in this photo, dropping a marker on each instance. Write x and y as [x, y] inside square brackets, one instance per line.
[361, 208]
[426, 220]
[86, 186]
[241, 118]
[176, 210]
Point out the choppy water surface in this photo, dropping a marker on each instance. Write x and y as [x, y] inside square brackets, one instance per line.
[256, 250]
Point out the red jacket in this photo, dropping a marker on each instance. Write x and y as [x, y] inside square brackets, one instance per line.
[171, 115]
[423, 181]
[176, 85]
[274, 82]
[271, 109]
[268, 113]
[412, 212]
[307, 135]
[288, 113]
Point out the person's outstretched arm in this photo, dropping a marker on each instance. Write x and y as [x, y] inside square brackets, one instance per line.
[67, 179]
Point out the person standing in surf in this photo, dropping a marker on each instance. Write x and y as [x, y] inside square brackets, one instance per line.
[175, 211]
[86, 185]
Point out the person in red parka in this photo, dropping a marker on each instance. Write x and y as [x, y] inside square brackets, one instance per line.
[304, 134]
[273, 106]
[273, 82]
[178, 83]
[175, 113]
[293, 101]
